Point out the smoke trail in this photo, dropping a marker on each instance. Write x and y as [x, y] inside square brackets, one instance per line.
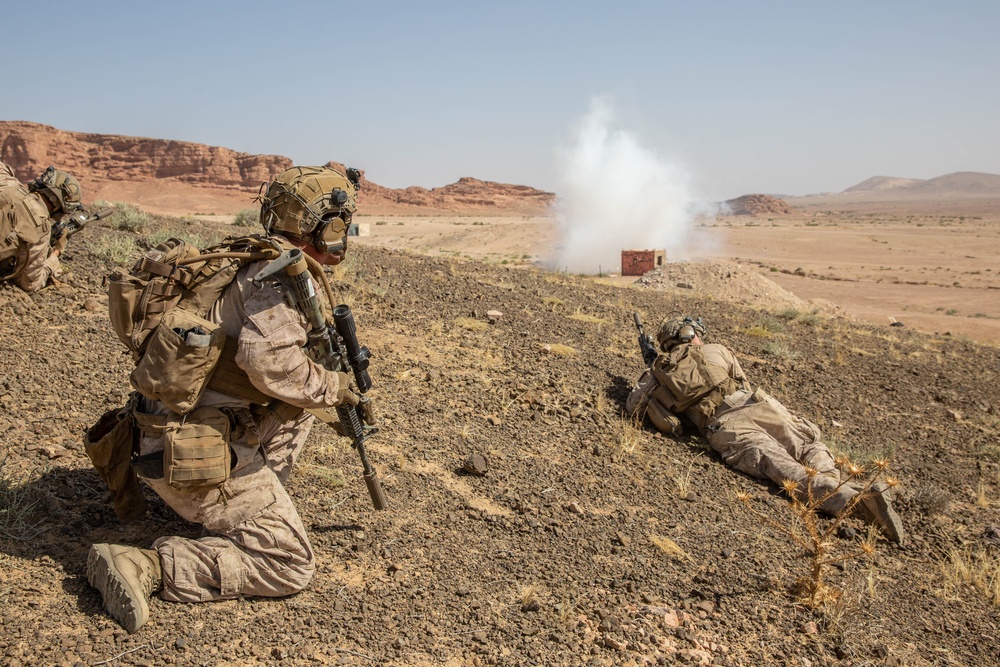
[616, 195]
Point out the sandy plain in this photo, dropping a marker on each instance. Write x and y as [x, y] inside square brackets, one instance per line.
[934, 273]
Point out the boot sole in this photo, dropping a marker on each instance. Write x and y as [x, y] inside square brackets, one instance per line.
[885, 517]
[120, 600]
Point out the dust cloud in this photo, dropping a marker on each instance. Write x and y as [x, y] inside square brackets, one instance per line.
[616, 194]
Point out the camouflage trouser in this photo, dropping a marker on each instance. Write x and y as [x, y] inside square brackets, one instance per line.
[39, 266]
[254, 543]
[757, 435]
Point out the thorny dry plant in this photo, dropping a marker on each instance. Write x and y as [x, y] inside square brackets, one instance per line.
[816, 539]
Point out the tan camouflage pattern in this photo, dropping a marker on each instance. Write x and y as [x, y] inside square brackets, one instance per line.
[256, 543]
[30, 226]
[756, 434]
[42, 265]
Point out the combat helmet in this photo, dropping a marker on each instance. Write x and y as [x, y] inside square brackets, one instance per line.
[61, 190]
[315, 203]
[677, 330]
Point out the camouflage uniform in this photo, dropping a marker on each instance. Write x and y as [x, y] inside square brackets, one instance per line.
[27, 218]
[756, 434]
[254, 410]
[256, 543]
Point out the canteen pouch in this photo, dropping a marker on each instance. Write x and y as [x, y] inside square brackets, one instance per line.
[110, 444]
[179, 359]
[196, 449]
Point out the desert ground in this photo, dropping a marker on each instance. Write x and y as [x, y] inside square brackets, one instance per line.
[591, 540]
[935, 273]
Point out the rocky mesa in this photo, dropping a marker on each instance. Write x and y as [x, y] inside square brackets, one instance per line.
[177, 176]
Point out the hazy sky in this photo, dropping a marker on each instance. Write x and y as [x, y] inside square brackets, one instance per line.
[778, 97]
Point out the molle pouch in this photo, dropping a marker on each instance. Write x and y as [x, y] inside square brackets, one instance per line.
[179, 360]
[110, 444]
[196, 449]
[664, 420]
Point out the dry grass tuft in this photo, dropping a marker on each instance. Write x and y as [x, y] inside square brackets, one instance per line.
[553, 302]
[971, 566]
[471, 324]
[580, 316]
[682, 480]
[667, 546]
[560, 350]
[630, 434]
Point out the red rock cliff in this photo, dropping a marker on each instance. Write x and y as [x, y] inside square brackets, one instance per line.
[143, 170]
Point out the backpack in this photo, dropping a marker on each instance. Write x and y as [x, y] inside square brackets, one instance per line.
[686, 381]
[23, 219]
[175, 274]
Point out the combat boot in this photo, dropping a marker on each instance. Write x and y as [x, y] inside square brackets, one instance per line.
[126, 577]
[876, 508]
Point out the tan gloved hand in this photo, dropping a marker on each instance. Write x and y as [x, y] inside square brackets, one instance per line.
[59, 247]
[345, 395]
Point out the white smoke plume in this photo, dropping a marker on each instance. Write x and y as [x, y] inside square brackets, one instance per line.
[615, 194]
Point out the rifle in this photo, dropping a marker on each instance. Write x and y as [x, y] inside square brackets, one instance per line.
[336, 349]
[646, 346]
[73, 223]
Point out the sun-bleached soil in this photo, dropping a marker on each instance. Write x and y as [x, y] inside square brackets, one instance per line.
[559, 554]
[935, 273]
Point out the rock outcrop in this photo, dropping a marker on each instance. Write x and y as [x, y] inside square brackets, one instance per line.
[758, 205]
[119, 167]
[30, 147]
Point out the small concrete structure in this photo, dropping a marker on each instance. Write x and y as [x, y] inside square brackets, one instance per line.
[359, 229]
[639, 262]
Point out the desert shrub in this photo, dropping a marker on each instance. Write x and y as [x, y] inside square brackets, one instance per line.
[247, 217]
[17, 506]
[780, 350]
[771, 323]
[196, 240]
[129, 217]
[809, 319]
[117, 250]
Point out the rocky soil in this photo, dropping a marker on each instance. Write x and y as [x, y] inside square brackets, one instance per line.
[563, 552]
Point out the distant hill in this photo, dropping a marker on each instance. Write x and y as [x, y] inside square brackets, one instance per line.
[960, 193]
[879, 183]
[958, 183]
[169, 177]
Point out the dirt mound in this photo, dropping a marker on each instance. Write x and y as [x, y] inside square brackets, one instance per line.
[585, 542]
[758, 205]
[726, 281]
[188, 177]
